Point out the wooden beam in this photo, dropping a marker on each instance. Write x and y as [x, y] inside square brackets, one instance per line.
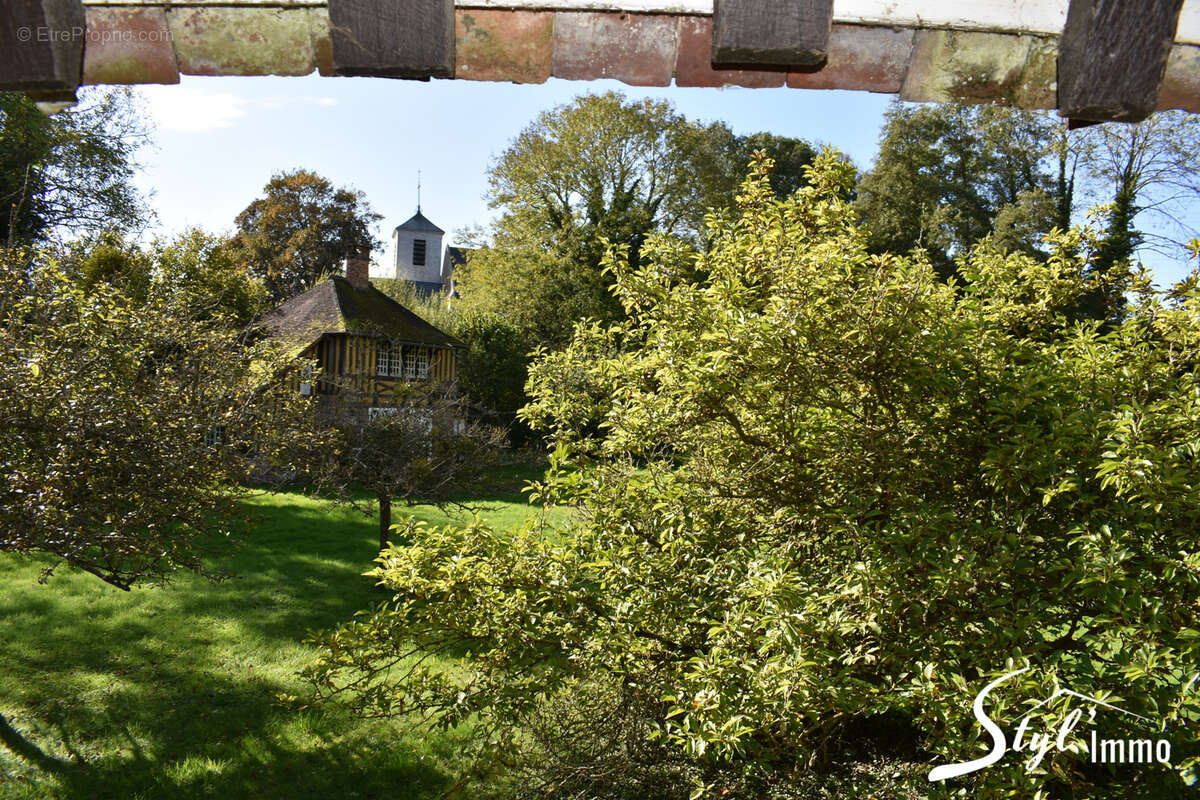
[41, 45]
[1112, 56]
[393, 38]
[771, 33]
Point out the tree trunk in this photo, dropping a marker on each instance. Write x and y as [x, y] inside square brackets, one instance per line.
[385, 520]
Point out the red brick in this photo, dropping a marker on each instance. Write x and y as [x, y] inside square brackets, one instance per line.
[127, 45]
[694, 65]
[638, 49]
[863, 58]
[491, 45]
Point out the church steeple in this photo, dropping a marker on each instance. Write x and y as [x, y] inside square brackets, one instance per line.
[417, 249]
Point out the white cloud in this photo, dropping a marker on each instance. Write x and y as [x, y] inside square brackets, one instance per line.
[186, 110]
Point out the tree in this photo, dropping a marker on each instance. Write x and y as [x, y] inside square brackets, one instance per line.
[597, 171]
[422, 451]
[791, 158]
[70, 173]
[195, 273]
[202, 275]
[1149, 171]
[946, 174]
[129, 427]
[824, 498]
[299, 230]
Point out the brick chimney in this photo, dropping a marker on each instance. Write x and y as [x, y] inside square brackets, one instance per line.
[358, 270]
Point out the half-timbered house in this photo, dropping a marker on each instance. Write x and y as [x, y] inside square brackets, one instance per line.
[365, 344]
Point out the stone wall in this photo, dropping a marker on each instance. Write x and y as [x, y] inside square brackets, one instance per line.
[1011, 60]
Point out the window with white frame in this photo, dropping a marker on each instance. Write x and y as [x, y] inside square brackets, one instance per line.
[416, 363]
[383, 355]
[389, 359]
[402, 361]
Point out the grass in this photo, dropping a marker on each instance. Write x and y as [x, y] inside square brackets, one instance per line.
[169, 692]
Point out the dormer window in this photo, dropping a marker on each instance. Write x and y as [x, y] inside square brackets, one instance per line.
[418, 252]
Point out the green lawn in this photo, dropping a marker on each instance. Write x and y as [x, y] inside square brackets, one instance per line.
[169, 692]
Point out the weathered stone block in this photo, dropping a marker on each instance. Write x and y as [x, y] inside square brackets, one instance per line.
[515, 46]
[862, 58]
[638, 49]
[1181, 83]
[128, 45]
[972, 67]
[694, 62]
[242, 41]
[318, 26]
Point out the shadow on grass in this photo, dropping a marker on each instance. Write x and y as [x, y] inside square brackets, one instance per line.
[171, 692]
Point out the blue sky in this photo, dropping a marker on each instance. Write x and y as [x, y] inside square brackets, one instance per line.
[218, 140]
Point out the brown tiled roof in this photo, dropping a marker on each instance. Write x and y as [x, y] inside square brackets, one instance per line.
[334, 306]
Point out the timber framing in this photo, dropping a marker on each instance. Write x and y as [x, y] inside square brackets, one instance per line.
[1112, 57]
[41, 45]
[771, 33]
[1015, 52]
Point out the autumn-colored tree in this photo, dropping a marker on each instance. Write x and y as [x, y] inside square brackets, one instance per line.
[300, 229]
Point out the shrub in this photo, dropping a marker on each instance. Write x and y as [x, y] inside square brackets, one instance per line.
[825, 497]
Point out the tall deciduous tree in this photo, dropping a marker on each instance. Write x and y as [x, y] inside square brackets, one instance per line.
[300, 229]
[70, 173]
[601, 170]
[946, 174]
[1149, 175]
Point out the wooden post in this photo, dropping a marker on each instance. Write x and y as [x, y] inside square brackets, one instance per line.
[41, 46]
[393, 38]
[1112, 56]
[771, 33]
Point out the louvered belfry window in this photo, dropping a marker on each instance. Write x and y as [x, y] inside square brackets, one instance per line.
[418, 252]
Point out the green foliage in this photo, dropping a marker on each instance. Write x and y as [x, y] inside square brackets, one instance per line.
[948, 175]
[824, 498]
[301, 229]
[127, 427]
[423, 450]
[791, 157]
[70, 173]
[599, 171]
[111, 695]
[195, 273]
[200, 274]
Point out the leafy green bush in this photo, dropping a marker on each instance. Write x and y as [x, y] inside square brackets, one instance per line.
[127, 424]
[824, 499]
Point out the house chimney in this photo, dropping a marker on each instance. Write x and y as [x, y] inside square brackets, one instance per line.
[358, 269]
